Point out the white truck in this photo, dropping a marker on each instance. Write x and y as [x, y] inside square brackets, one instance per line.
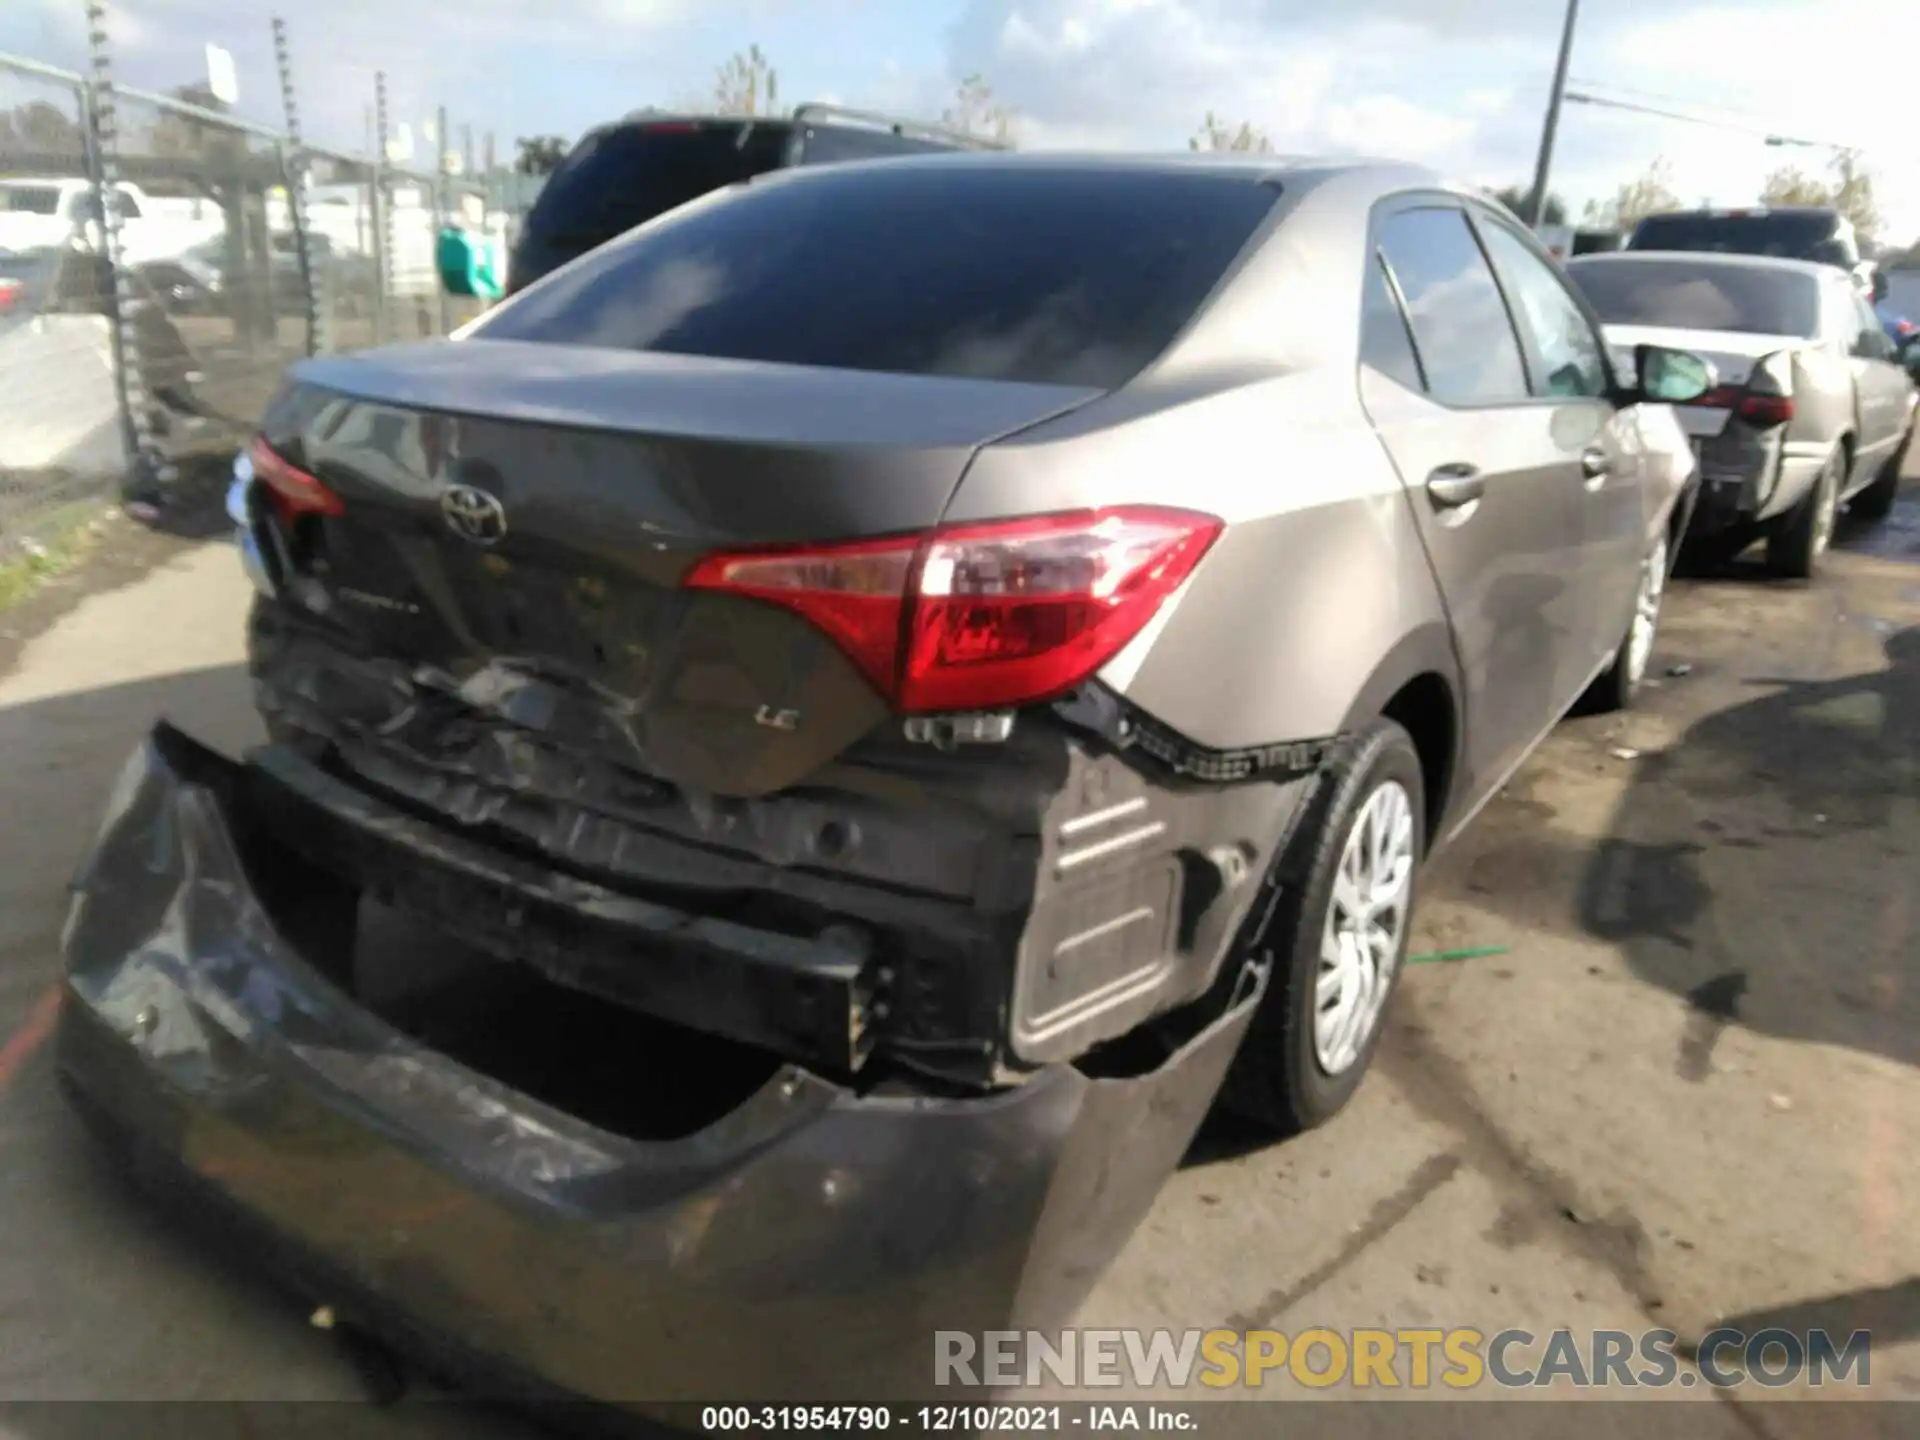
[52, 213]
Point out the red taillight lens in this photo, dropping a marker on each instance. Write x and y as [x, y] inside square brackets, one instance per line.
[1754, 407]
[1721, 397]
[981, 617]
[294, 491]
[1765, 410]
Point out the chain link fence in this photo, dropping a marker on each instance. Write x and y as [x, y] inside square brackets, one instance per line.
[217, 282]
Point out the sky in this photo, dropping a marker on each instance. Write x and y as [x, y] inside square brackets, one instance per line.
[1457, 84]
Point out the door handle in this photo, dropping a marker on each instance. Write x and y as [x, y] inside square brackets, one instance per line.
[1452, 486]
[1595, 464]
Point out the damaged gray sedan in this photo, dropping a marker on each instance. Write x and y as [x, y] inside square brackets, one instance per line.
[918, 678]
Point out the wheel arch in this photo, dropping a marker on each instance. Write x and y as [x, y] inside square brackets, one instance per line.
[1417, 685]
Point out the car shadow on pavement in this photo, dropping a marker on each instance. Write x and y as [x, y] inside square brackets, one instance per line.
[1746, 866]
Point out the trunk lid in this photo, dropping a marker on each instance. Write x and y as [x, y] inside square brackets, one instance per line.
[587, 483]
[1733, 355]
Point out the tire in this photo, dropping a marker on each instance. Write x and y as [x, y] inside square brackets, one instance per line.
[1795, 549]
[1876, 501]
[1702, 555]
[1616, 686]
[1280, 1079]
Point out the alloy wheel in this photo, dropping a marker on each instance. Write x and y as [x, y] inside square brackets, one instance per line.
[1365, 927]
[1646, 611]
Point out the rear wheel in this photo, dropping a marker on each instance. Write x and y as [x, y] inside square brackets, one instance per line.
[1874, 502]
[1337, 938]
[1794, 550]
[1620, 682]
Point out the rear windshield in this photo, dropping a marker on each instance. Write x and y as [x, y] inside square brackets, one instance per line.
[30, 199]
[1047, 274]
[1702, 296]
[617, 179]
[1791, 237]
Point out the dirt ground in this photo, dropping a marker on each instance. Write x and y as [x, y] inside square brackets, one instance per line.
[1686, 1092]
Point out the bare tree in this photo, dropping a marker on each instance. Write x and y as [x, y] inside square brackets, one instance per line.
[1515, 198]
[1853, 193]
[1216, 134]
[746, 85]
[1790, 185]
[976, 110]
[539, 154]
[1651, 194]
[1848, 188]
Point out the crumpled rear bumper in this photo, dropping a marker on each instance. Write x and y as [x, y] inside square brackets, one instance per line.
[804, 1247]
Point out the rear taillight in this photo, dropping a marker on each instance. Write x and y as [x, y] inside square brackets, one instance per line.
[295, 492]
[980, 617]
[9, 293]
[1754, 407]
[1765, 410]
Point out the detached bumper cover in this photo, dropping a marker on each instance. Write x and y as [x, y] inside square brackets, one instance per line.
[805, 1247]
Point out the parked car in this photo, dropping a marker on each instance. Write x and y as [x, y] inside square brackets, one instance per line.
[624, 174]
[954, 655]
[35, 214]
[1815, 233]
[1813, 411]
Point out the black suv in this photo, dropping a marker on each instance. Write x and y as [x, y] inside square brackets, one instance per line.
[622, 175]
[1793, 232]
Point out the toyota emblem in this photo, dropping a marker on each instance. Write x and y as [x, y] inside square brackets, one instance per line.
[473, 514]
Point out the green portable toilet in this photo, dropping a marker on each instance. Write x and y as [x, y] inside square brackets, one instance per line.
[469, 263]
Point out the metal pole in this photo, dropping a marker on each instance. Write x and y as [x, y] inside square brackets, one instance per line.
[149, 475]
[442, 143]
[298, 173]
[1537, 199]
[382, 211]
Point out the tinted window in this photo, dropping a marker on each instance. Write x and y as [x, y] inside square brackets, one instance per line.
[1384, 342]
[30, 199]
[1051, 273]
[822, 145]
[1564, 345]
[1466, 342]
[1700, 295]
[617, 179]
[1791, 237]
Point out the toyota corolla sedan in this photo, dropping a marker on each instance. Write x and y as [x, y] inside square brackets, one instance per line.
[914, 679]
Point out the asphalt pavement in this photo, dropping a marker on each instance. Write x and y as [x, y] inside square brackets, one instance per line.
[1684, 1092]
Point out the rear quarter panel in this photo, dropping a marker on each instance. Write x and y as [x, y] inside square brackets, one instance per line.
[1317, 580]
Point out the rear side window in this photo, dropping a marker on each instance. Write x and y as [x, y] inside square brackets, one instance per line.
[1050, 274]
[1460, 325]
[1385, 344]
[1701, 295]
[617, 179]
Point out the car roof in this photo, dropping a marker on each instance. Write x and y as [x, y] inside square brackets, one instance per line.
[1777, 263]
[1741, 212]
[1295, 171]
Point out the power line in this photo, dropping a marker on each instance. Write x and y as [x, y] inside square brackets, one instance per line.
[1581, 97]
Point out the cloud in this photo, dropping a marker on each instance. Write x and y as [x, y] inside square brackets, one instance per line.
[1457, 84]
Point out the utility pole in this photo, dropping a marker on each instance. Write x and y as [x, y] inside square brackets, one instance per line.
[1537, 199]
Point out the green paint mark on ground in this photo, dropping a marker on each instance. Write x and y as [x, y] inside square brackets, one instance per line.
[1437, 957]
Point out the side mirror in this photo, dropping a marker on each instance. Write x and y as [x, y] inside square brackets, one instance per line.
[1879, 286]
[468, 264]
[1672, 377]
